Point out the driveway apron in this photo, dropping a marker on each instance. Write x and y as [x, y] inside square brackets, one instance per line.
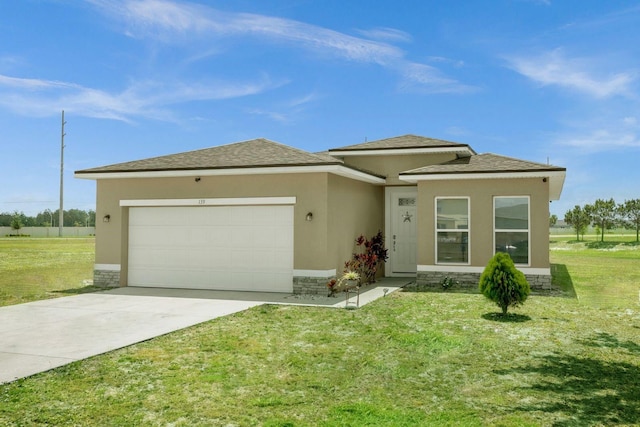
[42, 335]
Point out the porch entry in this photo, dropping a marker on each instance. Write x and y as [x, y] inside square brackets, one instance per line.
[401, 225]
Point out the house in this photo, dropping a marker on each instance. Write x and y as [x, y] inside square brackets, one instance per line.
[261, 216]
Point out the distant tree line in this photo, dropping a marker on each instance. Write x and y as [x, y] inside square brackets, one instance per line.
[605, 215]
[48, 218]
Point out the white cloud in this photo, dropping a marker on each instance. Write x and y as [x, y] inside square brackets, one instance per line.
[579, 74]
[142, 99]
[173, 22]
[287, 111]
[388, 34]
[427, 79]
[603, 140]
[190, 24]
[165, 20]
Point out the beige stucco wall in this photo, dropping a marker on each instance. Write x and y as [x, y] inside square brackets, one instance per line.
[310, 190]
[481, 193]
[355, 208]
[390, 166]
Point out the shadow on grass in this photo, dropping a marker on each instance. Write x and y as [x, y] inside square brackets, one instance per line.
[582, 390]
[561, 279]
[77, 291]
[605, 340]
[507, 318]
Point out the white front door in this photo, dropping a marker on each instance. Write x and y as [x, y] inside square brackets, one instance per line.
[401, 230]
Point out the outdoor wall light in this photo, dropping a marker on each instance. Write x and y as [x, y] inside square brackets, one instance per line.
[106, 218]
[198, 179]
[309, 217]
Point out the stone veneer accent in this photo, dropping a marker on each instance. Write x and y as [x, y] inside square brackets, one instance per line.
[106, 278]
[311, 285]
[432, 280]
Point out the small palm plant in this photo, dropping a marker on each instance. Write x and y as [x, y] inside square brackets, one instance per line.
[349, 280]
[503, 283]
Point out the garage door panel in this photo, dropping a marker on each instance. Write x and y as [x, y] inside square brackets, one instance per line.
[145, 256]
[223, 247]
[240, 215]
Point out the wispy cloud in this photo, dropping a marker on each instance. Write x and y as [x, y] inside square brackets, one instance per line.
[165, 20]
[185, 25]
[578, 74]
[147, 99]
[386, 34]
[287, 111]
[598, 137]
[427, 79]
[173, 22]
[603, 140]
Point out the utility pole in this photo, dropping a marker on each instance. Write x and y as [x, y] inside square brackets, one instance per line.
[61, 213]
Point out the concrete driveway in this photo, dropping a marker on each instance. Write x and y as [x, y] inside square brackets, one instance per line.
[42, 335]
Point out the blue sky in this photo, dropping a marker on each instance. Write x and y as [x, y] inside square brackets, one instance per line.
[532, 79]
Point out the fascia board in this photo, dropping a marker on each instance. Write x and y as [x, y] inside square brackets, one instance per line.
[335, 169]
[556, 178]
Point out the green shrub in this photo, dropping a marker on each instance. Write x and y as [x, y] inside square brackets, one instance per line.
[503, 283]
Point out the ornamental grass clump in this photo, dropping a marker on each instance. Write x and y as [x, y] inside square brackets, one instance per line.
[503, 283]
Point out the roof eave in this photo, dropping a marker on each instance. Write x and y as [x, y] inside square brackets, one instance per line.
[335, 168]
[556, 177]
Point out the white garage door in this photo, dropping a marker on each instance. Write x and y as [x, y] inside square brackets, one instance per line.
[248, 248]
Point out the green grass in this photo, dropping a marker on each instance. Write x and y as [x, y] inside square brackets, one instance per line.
[601, 274]
[408, 359]
[34, 269]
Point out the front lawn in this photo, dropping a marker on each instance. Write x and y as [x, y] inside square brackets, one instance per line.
[38, 268]
[601, 274]
[406, 359]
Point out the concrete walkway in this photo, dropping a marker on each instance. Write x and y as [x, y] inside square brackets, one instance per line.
[42, 335]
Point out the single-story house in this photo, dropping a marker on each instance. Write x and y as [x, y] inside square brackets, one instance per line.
[261, 216]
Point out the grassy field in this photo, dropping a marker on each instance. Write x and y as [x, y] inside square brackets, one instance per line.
[601, 274]
[407, 359]
[34, 269]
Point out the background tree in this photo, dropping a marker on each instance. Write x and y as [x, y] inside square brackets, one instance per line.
[503, 283]
[5, 219]
[604, 214]
[579, 219]
[553, 220]
[72, 218]
[16, 223]
[630, 213]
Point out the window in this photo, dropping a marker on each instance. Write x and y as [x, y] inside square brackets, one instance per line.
[511, 227]
[452, 230]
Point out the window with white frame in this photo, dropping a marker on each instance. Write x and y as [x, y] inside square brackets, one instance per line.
[511, 227]
[452, 230]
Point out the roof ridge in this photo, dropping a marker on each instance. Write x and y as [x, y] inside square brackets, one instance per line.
[406, 141]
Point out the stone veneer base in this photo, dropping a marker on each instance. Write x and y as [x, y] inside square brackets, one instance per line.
[106, 278]
[433, 281]
[311, 285]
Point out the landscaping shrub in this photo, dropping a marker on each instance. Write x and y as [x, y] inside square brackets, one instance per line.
[503, 283]
[366, 262]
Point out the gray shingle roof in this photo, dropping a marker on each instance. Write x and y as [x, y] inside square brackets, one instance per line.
[404, 141]
[484, 163]
[247, 154]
